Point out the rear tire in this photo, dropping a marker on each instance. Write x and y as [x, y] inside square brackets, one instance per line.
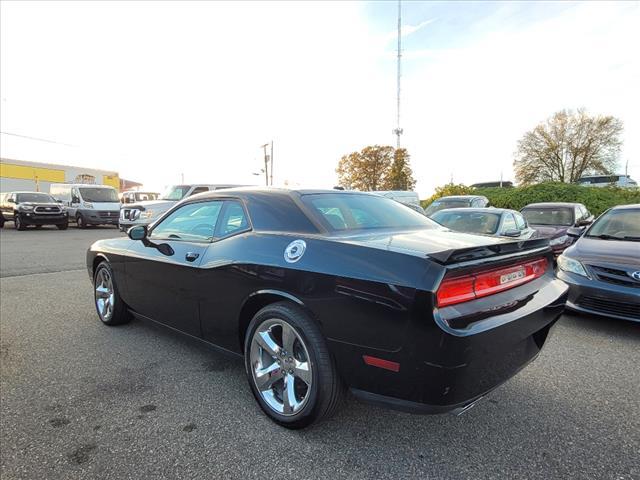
[18, 223]
[38, 226]
[110, 307]
[1, 221]
[80, 222]
[295, 382]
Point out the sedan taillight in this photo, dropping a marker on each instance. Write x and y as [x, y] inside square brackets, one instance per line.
[458, 289]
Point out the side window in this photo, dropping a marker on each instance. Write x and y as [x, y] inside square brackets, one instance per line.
[194, 222]
[75, 197]
[199, 190]
[520, 223]
[233, 219]
[509, 223]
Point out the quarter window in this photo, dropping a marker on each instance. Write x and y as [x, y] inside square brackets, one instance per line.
[199, 190]
[194, 222]
[233, 220]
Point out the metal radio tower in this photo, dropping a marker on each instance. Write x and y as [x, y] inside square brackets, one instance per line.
[398, 131]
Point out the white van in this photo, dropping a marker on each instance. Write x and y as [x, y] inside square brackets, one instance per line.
[88, 204]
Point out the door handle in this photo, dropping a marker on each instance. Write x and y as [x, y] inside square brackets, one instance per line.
[191, 256]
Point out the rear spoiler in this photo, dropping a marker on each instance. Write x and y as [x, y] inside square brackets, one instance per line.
[447, 257]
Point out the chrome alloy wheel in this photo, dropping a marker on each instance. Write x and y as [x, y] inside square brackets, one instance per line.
[281, 367]
[104, 294]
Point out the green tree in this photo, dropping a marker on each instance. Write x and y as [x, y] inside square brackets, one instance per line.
[376, 167]
[365, 170]
[400, 176]
[567, 146]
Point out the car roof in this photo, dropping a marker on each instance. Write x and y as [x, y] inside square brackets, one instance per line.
[552, 204]
[631, 206]
[27, 191]
[459, 197]
[498, 211]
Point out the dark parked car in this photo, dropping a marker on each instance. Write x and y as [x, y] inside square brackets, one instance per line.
[603, 267]
[499, 222]
[457, 201]
[320, 289]
[552, 220]
[32, 208]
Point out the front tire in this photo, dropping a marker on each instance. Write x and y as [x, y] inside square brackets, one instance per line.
[290, 370]
[63, 226]
[110, 307]
[80, 221]
[18, 223]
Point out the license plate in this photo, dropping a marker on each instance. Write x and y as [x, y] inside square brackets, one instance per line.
[511, 277]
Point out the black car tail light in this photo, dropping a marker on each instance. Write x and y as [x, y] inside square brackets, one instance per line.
[462, 288]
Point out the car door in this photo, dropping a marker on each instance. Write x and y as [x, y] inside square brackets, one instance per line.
[163, 272]
[9, 206]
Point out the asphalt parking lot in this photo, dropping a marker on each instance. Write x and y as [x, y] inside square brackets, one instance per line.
[80, 400]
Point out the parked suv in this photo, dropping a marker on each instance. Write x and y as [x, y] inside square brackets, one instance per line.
[144, 213]
[32, 208]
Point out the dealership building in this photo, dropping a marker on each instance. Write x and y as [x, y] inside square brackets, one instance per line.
[16, 175]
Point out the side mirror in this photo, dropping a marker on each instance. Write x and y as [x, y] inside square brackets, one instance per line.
[10, 200]
[139, 232]
[512, 232]
[584, 222]
[575, 232]
[58, 200]
[75, 200]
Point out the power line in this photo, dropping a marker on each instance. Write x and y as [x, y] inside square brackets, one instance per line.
[38, 139]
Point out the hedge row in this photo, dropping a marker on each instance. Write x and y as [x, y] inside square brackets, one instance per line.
[597, 200]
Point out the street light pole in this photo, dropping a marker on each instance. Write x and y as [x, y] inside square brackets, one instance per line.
[272, 163]
[266, 164]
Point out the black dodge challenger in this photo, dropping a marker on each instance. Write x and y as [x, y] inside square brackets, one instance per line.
[323, 290]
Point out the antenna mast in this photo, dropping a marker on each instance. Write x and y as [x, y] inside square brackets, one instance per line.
[398, 131]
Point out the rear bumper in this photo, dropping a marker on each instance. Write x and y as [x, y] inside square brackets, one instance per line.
[442, 369]
[600, 298]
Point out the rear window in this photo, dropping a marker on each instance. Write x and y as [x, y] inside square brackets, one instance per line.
[470, 222]
[549, 216]
[340, 212]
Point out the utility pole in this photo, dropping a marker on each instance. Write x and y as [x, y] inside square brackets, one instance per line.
[266, 164]
[271, 163]
[398, 131]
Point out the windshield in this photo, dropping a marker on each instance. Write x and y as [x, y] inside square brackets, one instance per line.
[175, 192]
[617, 225]
[34, 197]
[463, 220]
[340, 212]
[549, 216]
[98, 194]
[442, 204]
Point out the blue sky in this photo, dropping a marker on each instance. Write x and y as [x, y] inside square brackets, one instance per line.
[155, 90]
